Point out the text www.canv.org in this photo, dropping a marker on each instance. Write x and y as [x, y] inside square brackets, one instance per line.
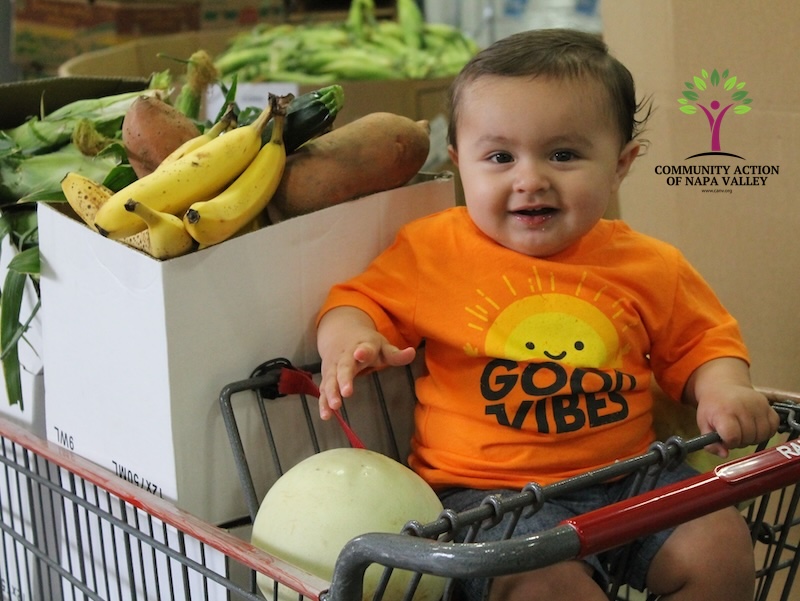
[718, 190]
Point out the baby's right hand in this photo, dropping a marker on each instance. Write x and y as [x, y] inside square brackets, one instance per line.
[349, 344]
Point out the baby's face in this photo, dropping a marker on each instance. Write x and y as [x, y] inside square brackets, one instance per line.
[539, 160]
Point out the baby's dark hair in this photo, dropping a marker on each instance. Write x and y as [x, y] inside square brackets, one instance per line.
[560, 54]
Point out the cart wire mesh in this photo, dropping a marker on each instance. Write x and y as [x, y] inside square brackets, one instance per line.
[73, 530]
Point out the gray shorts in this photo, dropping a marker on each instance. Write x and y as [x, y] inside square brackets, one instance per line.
[566, 506]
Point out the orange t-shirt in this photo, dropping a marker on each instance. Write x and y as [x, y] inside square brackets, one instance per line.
[537, 369]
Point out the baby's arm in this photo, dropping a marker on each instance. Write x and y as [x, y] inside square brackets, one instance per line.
[349, 343]
[727, 403]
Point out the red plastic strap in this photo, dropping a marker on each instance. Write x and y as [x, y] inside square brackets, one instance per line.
[297, 381]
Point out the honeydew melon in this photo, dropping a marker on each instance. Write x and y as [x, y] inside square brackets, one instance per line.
[330, 498]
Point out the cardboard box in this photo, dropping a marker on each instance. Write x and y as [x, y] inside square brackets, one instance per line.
[48, 32]
[738, 229]
[137, 350]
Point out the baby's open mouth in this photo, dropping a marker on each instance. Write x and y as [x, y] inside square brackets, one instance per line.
[538, 212]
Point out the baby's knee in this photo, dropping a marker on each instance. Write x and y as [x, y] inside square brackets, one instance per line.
[568, 580]
[712, 554]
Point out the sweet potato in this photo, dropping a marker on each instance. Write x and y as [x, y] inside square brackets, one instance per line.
[151, 130]
[376, 152]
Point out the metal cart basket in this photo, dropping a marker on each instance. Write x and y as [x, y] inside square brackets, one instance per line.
[72, 530]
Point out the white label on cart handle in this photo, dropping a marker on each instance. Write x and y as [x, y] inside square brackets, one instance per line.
[759, 463]
[790, 450]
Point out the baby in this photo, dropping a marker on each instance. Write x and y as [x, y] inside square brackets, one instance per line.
[544, 324]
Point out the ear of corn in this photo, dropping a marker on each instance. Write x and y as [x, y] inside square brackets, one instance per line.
[41, 134]
[39, 176]
[200, 74]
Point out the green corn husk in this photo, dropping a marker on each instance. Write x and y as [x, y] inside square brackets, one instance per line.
[39, 176]
[360, 18]
[411, 22]
[44, 133]
[38, 135]
[200, 74]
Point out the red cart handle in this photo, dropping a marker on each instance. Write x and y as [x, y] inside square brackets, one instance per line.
[730, 483]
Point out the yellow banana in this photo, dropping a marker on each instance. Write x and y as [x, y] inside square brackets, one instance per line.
[212, 221]
[197, 175]
[226, 122]
[168, 237]
[86, 196]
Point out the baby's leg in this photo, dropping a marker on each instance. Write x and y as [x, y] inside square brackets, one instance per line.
[707, 559]
[566, 581]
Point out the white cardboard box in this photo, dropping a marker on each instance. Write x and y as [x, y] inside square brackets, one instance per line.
[137, 350]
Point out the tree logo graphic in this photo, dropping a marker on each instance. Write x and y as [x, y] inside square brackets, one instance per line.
[705, 94]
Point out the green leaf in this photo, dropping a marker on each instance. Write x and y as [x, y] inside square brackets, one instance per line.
[725, 74]
[24, 227]
[704, 73]
[689, 109]
[5, 226]
[747, 101]
[739, 86]
[693, 96]
[737, 96]
[730, 83]
[689, 85]
[230, 96]
[701, 84]
[43, 196]
[683, 101]
[741, 109]
[715, 78]
[26, 262]
[119, 177]
[10, 333]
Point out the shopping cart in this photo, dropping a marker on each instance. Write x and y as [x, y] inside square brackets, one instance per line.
[70, 529]
[763, 482]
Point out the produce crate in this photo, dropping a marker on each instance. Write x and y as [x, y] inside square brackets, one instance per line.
[48, 32]
[136, 349]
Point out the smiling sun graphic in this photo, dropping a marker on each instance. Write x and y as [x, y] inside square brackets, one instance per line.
[536, 321]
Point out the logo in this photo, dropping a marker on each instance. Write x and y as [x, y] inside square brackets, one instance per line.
[714, 100]
[704, 94]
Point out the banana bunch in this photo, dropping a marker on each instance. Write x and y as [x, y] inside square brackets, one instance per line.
[207, 191]
[361, 47]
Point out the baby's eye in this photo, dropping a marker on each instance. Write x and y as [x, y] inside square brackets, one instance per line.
[562, 156]
[501, 157]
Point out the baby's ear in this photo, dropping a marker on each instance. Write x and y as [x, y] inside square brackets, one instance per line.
[453, 154]
[626, 157]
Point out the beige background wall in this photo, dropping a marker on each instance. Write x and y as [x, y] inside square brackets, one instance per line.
[745, 242]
